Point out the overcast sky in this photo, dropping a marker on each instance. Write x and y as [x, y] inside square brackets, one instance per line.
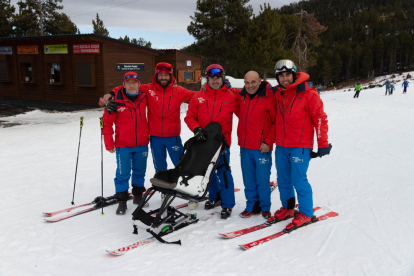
[163, 22]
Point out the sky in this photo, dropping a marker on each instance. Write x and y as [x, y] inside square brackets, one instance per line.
[163, 22]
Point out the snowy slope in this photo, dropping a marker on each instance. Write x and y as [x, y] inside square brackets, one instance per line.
[368, 179]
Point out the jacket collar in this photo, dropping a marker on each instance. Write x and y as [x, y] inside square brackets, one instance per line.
[121, 95]
[211, 90]
[300, 85]
[262, 90]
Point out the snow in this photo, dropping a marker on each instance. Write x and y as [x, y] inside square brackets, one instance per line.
[367, 179]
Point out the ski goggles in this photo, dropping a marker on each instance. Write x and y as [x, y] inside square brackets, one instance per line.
[163, 67]
[285, 65]
[133, 76]
[215, 72]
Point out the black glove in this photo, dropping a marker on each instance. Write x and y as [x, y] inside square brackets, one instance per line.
[321, 151]
[199, 134]
[227, 83]
[111, 106]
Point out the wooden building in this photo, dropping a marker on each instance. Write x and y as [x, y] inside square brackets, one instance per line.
[186, 67]
[70, 68]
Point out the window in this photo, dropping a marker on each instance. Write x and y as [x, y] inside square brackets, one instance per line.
[85, 74]
[188, 76]
[53, 73]
[4, 76]
[26, 72]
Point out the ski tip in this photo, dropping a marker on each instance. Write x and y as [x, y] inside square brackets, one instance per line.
[236, 189]
[47, 214]
[116, 253]
[223, 235]
[243, 247]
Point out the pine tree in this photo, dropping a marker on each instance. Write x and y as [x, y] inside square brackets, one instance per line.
[6, 18]
[98, 27]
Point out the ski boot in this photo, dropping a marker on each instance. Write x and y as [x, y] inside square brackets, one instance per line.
[298, 221]
[122, 207]
[282, 214]
[210, 204]
[247, 214]
[266, 214]
[226, 213]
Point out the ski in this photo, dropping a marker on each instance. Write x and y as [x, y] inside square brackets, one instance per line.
[248, 230]
[186, 204]
[109, 201]
[50, 214]
[281, 233]
[164, 231]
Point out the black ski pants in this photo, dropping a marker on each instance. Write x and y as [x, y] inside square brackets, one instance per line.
[357, 94]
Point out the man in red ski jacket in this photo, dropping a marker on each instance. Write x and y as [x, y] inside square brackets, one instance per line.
[164, 101]
[299, 114]
[256, 135]
[131, 139]
[216, 103]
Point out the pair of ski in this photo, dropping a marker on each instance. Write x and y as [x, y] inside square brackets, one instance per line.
[255, 243]
[122, 250]
[108, 201]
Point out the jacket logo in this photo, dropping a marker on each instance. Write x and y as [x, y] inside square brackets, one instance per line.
[121, 109]
[201, 100]
[152, 93]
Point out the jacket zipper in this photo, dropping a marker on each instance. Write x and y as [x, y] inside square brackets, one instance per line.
[303, 126]
[264, 123]
[245, 125]
[220, 109]
[255, 104]
[156, 96]
[284, 129]
[162, 115]
[214, 104]
[169, 101]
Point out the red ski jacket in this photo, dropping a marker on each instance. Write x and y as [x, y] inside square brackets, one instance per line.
[257, 118]
[131, 125]
[164, 107]
[296, 127]
[213, 106]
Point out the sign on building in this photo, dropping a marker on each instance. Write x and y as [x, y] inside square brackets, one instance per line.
[130, 67]
[56, 49]
[6, 50]
[92, 48]
[28, 50]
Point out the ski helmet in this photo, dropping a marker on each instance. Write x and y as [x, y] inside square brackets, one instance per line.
[285, 65]
[215, 70]
[163, 67]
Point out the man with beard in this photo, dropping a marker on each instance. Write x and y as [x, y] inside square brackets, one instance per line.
[164, 101]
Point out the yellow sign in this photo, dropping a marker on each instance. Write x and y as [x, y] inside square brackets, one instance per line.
[56, 49]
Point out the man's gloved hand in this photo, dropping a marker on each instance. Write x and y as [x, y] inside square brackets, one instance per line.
[111, 106]
[199, 134]
[321, 151]
[227, 83]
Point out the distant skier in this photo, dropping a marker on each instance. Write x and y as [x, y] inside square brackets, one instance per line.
[387, 87]
[300, 112]
[358, 88]
[318, 89]
[405, 85]
[392, 88]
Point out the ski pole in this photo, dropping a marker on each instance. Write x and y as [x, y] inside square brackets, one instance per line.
[101, 120]
[77, 158]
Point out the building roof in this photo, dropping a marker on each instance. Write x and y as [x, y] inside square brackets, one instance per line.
[81, 36]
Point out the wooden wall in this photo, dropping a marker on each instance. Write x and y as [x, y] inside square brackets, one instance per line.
[117, 54]
[106, 76]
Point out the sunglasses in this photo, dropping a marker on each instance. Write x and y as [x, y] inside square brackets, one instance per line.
[215, 72]
[127, 77]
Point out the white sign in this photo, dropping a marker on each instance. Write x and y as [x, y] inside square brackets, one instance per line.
[188, 62]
